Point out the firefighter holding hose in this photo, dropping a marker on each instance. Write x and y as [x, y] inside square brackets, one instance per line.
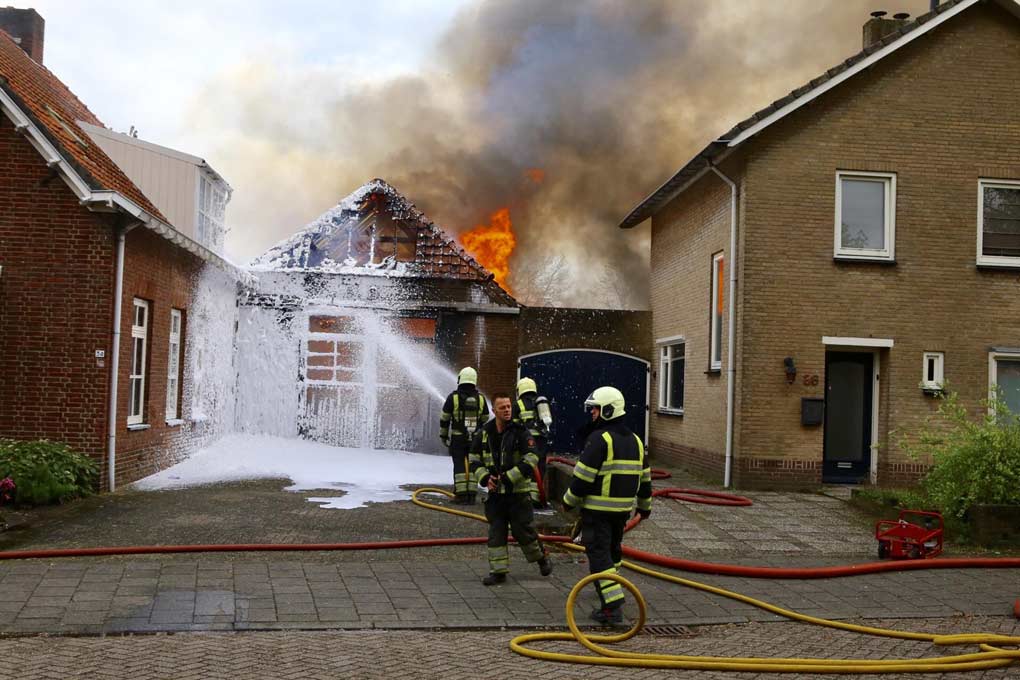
[612, 478]
[463, 413]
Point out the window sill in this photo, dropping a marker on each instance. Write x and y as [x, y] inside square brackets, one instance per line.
[714, 371]
[863, 260]
[175, 422]
[671, 412]
[999, 265]
[139, 426]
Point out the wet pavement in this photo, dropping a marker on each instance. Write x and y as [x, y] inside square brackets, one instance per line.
[350, 603]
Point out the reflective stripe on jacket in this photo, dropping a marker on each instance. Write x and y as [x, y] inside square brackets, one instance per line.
[452, 419]
[612, 474]
[510, 453]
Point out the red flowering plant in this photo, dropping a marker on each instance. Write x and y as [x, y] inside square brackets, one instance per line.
[7, 487]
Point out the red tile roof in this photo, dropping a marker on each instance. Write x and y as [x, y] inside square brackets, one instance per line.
[56, 110]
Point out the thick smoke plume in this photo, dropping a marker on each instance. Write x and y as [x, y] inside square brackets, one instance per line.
[567, 113]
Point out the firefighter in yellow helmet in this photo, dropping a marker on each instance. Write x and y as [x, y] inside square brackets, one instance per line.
[463, 413]
[532, 411]
[612, 478]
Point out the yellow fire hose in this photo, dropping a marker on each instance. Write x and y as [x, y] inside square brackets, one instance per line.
[988, 657]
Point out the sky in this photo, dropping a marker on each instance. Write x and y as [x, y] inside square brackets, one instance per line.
[369, 475]
[456, 103]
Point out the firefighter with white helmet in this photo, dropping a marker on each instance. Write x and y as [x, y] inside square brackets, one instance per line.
[464, 411]
[532, 411]
[612, 478]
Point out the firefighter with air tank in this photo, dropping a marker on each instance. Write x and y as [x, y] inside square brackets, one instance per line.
[533, 412]
[463, 413]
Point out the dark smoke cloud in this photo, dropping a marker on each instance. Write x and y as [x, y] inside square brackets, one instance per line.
[608, 97]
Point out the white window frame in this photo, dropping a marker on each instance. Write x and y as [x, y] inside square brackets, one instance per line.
[934, 385]
[138, 333]
[993, 260]
[993, 358]
[887, 254]
[211, 201]
[715, 345]
[666, 346]
[173, 367]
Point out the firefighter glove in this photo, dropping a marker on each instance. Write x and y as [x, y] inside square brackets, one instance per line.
[644, 514]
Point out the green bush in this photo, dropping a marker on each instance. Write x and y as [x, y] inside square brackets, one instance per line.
[46, 472]
[974, 460]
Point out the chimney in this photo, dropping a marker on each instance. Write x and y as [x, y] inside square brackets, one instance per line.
[877, 27]
[26, 27]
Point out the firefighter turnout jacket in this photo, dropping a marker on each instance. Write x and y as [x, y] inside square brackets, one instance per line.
[458, 417]
[612, 474]
[509, 454]
[525, 412]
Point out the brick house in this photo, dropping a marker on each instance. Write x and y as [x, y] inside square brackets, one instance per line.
[96, 284]
[873, 216]
[344, 303]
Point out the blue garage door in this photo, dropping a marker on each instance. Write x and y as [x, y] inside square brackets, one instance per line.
[566, 377]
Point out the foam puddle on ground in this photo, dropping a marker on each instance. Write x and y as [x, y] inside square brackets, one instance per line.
[364, 475]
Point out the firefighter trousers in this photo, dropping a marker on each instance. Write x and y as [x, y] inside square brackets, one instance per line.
[511, 512]
[462, 485]
[602, 535]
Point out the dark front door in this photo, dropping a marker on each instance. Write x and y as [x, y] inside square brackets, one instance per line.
[567, 377]
[849, 379]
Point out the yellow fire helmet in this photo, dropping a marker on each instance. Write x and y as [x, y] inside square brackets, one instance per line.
[525, 385]
[609, 400]
[467, 375]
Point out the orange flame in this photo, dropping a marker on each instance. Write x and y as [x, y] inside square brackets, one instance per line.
[536, 175]
[492, 244]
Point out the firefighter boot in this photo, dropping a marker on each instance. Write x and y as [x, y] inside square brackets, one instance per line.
[494, 579]
[544, 565]
[608, 616]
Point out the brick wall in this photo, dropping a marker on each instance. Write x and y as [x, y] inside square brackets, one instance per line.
[55, 304]
[614, 330]
[164, 275]
[486, 342]
[695, 229]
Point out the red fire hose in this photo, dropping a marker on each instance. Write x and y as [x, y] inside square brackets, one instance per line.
[633, 553]
[677, 494]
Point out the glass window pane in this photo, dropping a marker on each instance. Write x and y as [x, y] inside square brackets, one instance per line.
[1001, 222]
[1007, 377]
[136, 360]
[863, 214]
[136, 397]
[676, 392]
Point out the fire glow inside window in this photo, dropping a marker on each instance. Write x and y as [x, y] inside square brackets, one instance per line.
[136, 381]
[718, 306]
[671, 377]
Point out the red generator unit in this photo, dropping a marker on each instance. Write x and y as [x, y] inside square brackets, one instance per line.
[915, 534]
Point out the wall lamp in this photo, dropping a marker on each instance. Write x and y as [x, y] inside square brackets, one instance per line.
[791, 370]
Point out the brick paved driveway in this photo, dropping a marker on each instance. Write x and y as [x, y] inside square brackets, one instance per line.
[448, 654]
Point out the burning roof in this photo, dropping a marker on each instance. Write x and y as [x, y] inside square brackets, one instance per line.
[375, 230]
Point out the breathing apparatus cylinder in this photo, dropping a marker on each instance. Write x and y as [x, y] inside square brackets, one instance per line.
[544, 412]
[470, 412]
